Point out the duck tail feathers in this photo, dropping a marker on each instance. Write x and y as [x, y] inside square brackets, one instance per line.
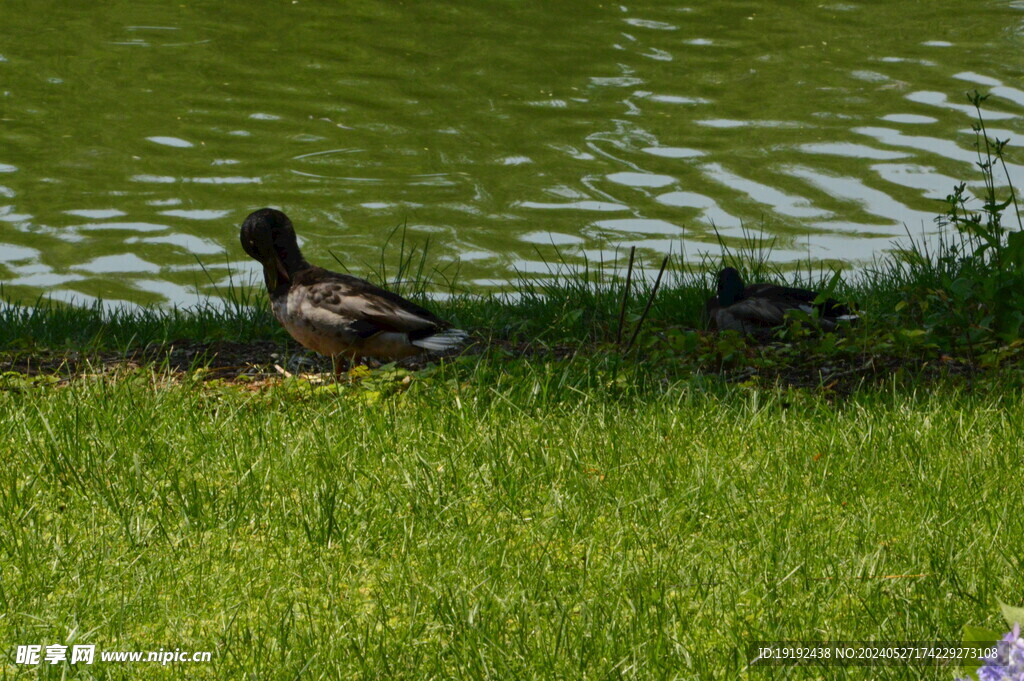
[440, 342]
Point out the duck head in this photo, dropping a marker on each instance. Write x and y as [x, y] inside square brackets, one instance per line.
[268, 236]
[730, 287]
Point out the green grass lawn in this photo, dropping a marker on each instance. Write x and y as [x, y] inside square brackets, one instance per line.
[500, 518]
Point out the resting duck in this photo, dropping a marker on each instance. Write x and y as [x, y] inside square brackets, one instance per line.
[337, 314]
[758, 308]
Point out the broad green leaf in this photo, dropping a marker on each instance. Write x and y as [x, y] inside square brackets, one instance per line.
[973, 634]
[1013, 615]
[977, 636]
[961, 288]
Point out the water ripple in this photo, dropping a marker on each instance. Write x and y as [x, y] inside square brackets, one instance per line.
[196, 214]
[126, 226]
[125, 262]
[940, 99]
[601, 206]
[171, 142]
[96, 213]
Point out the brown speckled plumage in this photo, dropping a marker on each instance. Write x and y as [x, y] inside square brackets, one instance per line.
[337, 314]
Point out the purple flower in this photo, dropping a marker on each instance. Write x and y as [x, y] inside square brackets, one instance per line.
[991, 672]
[1008, 664]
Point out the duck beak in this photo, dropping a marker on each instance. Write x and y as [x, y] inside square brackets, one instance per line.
[274, 272]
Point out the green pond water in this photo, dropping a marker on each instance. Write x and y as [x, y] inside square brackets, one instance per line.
[136, 136]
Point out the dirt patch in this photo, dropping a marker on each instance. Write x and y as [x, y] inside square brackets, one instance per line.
[228, 360]
[220, 359]
[256, 362]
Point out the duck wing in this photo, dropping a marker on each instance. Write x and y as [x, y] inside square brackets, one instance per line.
[781, 294]
[751, 313]
[341, 300]
[797, 298]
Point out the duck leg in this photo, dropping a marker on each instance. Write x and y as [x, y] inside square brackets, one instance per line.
[344, 364]
[339, 364]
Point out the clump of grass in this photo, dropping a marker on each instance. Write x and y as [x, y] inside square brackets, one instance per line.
[237, 314]
[980, 274]
[409, 277]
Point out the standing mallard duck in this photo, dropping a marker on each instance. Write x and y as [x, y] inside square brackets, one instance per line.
[337, 314]
[758, 308]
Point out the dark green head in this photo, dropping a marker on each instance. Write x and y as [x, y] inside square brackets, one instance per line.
[730, 287]
[268, 236]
